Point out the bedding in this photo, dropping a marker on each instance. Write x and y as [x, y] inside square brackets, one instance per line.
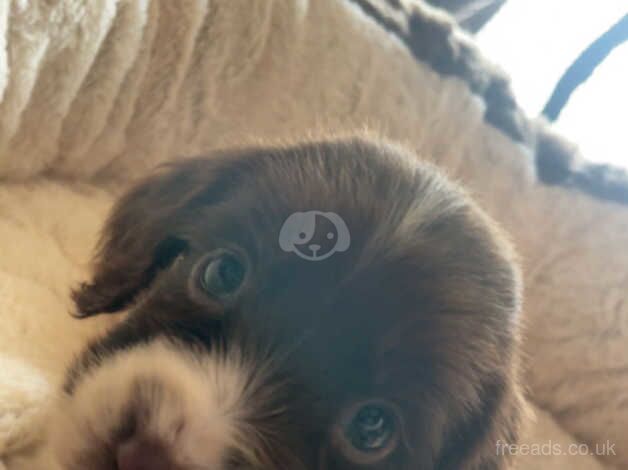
[95, 94]
[470, 14]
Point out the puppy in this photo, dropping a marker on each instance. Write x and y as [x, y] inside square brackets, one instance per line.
[388, 343]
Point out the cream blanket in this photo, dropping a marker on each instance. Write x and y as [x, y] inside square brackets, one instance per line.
[96, 92]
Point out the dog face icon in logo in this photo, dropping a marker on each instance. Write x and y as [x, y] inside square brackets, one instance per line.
[314, 235]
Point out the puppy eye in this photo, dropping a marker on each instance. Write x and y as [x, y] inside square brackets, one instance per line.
[222, 275]
[371, 429]
[368, 433]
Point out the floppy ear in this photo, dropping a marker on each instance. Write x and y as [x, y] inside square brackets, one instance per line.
[142, 235]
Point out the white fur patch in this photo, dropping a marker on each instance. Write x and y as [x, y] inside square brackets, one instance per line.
[191, 404]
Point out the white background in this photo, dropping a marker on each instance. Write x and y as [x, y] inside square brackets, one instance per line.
[536, 40]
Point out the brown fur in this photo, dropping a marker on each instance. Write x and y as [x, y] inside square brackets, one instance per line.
[420, 312]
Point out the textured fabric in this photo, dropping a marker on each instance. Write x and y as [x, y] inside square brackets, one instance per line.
[471, 14]
[97, 93]
[434, 39]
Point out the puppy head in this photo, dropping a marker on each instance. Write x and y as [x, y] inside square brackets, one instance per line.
[394, 347]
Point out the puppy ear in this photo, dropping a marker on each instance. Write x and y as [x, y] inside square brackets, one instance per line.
[142, 236]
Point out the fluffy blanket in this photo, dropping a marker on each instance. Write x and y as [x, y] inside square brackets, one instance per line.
[96, 93]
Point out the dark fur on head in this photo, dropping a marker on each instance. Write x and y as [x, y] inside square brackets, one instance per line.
[419, 313]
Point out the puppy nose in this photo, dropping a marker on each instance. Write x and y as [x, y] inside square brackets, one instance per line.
[314, 247]
[141, 454]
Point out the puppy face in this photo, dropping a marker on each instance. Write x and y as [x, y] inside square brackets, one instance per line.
[390, 345]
